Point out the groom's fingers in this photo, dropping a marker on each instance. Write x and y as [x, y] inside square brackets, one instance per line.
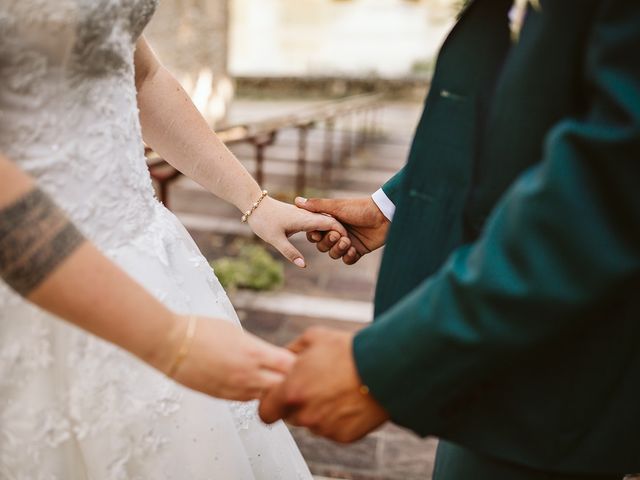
[340, 249]
[299, 345]
[315, 236]
[276, 359]
[328, 241]
[351, 257]
[272, 406]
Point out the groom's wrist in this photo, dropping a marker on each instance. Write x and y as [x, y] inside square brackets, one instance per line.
[384, 204]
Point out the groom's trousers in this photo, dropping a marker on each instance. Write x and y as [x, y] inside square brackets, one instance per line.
[457, 463]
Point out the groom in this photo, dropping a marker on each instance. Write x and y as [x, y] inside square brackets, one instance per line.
[508, 306]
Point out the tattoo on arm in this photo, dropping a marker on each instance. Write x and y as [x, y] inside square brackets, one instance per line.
[35, 238]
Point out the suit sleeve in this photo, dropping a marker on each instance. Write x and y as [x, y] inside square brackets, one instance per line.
[564, 238]
[393, 186]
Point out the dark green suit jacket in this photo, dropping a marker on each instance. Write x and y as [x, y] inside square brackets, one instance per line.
[508, 303]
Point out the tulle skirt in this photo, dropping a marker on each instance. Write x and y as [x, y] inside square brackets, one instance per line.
[75, 407]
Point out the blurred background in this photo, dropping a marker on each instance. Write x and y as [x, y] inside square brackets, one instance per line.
[319, 98]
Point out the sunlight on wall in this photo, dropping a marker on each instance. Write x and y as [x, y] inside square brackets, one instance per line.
[210, 94]
[326, 37]
[190, 37]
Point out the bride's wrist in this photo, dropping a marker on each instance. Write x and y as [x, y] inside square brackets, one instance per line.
[258, 213]
[161, 351]
[247, 199]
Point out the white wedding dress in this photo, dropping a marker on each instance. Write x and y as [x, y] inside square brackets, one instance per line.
[73, 407]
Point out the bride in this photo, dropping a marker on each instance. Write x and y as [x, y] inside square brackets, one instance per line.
[82, 238]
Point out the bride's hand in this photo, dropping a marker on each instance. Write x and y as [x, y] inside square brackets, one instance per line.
[226, 362]
[274, 222]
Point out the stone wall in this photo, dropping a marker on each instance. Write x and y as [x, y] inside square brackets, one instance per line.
[191, 39]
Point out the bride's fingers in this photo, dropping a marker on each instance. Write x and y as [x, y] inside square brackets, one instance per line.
[322, 223]
[290, 252]
[267, 380]
[255, 391]
[277, 360]
[256, 383]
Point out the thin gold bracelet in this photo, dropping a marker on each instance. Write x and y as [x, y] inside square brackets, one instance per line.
[185, 347]
[248, 213]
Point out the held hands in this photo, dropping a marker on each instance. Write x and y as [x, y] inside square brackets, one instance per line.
[274, 222]
[366, 226]
[223, 360]
[319, 389]
[322, 391]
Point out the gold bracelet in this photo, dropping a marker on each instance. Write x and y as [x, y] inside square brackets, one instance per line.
[185, 347]
[248, 213]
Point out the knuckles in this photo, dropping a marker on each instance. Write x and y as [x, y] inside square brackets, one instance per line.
[314, 333]
[294, 396]
[342, 436]
[308, 419]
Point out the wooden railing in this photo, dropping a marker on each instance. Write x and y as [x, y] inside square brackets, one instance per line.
[358, 113]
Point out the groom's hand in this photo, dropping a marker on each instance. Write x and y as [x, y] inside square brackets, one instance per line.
[366, 224]
[323, 391]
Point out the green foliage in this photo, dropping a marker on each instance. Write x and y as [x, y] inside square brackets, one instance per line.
[423, 67]
[253, 268]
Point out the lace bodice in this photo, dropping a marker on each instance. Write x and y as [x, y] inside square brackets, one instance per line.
[72, 405]
[68, 113]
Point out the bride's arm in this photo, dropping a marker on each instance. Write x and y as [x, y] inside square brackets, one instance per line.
[44, 258]
[175, 129]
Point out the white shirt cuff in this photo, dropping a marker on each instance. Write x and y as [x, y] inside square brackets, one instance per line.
[385, 205]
